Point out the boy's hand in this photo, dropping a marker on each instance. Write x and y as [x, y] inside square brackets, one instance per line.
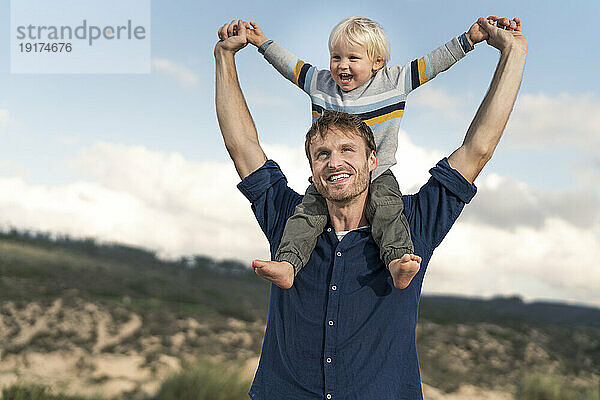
[477, 34]
[255, 34]
[232, 37]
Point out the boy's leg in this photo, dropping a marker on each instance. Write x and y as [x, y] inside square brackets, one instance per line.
[298, 241]
[302, 229]
[390, 229]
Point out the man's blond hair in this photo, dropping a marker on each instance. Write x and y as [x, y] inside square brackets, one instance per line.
[365, 32]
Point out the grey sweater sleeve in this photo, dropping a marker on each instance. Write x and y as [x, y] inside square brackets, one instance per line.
[291, 67]
[415, 73]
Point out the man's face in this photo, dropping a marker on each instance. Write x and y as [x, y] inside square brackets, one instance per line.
[340, 167]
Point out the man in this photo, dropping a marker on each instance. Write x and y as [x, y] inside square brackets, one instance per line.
[341, 331]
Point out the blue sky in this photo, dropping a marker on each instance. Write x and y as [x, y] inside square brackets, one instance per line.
[139, 158]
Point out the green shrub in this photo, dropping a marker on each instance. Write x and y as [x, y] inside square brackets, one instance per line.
[551, 387]
[204, 381]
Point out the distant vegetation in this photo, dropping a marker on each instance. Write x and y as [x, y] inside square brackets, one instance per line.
[41, 266]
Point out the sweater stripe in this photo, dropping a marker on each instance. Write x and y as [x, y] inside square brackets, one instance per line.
[382, 111]
[372, 117]
[317, 111]
[302, 75]
[422, 71]
[296, 72]
[383, 118]
[414, 74]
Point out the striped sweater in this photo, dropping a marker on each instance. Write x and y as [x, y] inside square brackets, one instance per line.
[380, 101]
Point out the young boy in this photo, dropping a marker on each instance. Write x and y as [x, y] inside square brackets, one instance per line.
[358, 82]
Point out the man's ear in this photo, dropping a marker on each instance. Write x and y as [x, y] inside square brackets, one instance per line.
[372, 161]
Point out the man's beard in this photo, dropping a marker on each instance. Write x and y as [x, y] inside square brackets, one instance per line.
[359, 186]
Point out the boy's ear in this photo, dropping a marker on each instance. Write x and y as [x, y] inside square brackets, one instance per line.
[378, 64]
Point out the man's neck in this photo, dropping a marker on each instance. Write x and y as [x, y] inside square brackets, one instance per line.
[348, 216]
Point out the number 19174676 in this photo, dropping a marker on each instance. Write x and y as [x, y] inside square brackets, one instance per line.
[45, 47]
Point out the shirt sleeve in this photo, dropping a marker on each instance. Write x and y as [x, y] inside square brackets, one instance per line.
[273, 202]
[415, 73]
[432, 211]
[300, 73]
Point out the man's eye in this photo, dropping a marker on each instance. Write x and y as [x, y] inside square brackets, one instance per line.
[322, 154]
[335, 58]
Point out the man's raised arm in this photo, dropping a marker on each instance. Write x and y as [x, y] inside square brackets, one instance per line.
[486, 129]
[235, 121]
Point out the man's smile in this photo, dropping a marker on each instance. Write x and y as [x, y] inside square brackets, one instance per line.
[338, 177]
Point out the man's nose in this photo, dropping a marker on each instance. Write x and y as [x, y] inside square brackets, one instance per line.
[335, 160]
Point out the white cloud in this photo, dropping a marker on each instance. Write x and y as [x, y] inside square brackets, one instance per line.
[508, 203]
[441, 102]
[511, 239]
[561, 120]
[413, 163]
[185, 76]
[538, 120]
[556, 260]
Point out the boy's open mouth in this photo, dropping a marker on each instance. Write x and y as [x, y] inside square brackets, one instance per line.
[345, 78]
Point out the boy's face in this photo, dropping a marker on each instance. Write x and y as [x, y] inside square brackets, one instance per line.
[350, 66]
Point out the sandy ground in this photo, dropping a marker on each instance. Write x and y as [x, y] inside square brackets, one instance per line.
[87, 363]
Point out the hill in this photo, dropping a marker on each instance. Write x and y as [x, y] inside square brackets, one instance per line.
[91, 318]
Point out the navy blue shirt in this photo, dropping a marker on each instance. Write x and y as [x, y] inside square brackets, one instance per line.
[343, 331]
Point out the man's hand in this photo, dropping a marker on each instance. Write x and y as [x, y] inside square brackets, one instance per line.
[232, 37]
[477, 34]
[255, 34]
[486, 129]
[504, 39]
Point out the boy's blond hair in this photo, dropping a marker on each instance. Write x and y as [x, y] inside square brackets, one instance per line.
[362, 31]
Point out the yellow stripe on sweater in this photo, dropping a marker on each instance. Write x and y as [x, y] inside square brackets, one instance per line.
[385, 117]
[422, 71]
[297, 70]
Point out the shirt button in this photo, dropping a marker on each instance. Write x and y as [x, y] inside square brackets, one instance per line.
[328, 229]
[328, 396]
[334, 287]
[330, 323]
[328, 360]
[339, 253]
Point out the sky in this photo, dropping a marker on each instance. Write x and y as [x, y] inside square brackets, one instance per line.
[138, 158]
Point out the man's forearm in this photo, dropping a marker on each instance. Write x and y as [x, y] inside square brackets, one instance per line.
[235, 121]
[486, 129]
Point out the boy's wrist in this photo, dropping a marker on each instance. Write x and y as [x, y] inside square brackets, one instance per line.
[469, 39]
[263, 47]
[465, 42]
